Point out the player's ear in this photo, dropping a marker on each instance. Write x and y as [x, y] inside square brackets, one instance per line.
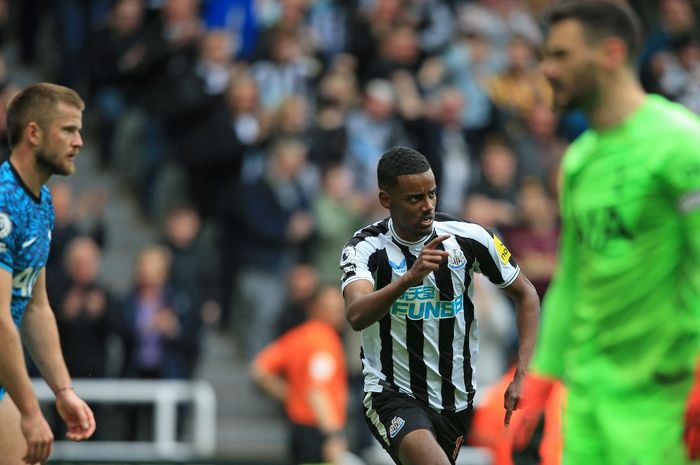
[384, 199]
[33, 133]
[614, 52]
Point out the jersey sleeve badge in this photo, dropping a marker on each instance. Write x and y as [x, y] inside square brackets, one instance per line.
[503, 252]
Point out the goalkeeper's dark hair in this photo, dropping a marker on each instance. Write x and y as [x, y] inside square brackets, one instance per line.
[399, 161]
[601, 19]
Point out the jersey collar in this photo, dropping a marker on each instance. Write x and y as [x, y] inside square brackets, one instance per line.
[420, 241]
[36, 199]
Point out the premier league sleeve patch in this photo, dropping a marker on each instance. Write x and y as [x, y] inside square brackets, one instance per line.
[347, 256]
[5, 225]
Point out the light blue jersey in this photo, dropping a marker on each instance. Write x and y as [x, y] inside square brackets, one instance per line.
[26, 222]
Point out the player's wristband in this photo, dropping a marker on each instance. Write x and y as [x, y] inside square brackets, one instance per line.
[60, 390]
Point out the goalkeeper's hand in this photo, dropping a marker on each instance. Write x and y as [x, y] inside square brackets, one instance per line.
[691, 435]
[535, 395]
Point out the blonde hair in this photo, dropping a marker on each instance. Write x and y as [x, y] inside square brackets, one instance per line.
[37, 103]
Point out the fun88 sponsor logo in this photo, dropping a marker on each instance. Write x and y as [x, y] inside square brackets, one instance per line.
[420, 303]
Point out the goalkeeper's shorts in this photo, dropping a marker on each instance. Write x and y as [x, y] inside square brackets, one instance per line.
[641, 427]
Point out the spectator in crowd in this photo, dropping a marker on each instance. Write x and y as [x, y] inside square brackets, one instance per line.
[397, 51]
[366, 28]
[292, 118]
[679, 71]
[192, 270]
[277, 19]
[162, 330]
[167, 54]
[491, 201]
[302, 286]
[287, 72]
[275, 224]
[497, 21]
[337, 94]
[75, 21]
[521, 85]
[458, 165]
[195, 101]
[674, 19]
[371, 130]
[251, 123]
[74, 218]
[115, 50]
[338, 213]
[539, 145]
[238, 19]
[305, 369]
[467, 62]
[328, 28]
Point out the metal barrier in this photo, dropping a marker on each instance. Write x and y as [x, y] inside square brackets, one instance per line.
[165, 395]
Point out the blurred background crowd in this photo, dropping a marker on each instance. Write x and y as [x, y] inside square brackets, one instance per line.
[246, 133]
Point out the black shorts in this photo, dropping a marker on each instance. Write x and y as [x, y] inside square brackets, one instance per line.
[305, 444]
[391, 416]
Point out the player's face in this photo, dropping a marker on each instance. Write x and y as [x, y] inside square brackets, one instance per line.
[61, 142]
[412, 205]
[570, 66]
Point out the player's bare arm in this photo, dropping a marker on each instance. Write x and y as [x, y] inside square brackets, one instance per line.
[365, 306]
[41, 335]
[527, 305]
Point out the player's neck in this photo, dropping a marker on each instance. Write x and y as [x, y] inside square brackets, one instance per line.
[31, 176]
[619, 99]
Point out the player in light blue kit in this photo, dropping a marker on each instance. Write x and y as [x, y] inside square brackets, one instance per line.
[43, 126]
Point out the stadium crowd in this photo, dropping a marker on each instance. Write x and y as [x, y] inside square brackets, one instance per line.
[249, 132]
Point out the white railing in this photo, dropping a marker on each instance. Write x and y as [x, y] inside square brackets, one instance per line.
[165, 395]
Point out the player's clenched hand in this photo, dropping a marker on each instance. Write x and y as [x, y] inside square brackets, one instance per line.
[38, 436]
[76, 414]
[428, 260]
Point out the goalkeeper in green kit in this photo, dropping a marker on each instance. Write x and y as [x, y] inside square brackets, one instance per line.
[621, 322]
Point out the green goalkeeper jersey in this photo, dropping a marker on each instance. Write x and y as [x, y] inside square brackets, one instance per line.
[624, 306]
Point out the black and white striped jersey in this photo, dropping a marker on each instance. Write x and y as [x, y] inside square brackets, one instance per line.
[426, 345]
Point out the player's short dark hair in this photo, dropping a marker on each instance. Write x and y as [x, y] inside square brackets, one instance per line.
[398, 161]
[601, 19]
[37, 103]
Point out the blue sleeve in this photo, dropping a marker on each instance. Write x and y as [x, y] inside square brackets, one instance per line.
[8, 234]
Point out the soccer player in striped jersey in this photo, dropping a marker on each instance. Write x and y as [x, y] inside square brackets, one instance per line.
[620, 320]
[407, 283]
[44, 123]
